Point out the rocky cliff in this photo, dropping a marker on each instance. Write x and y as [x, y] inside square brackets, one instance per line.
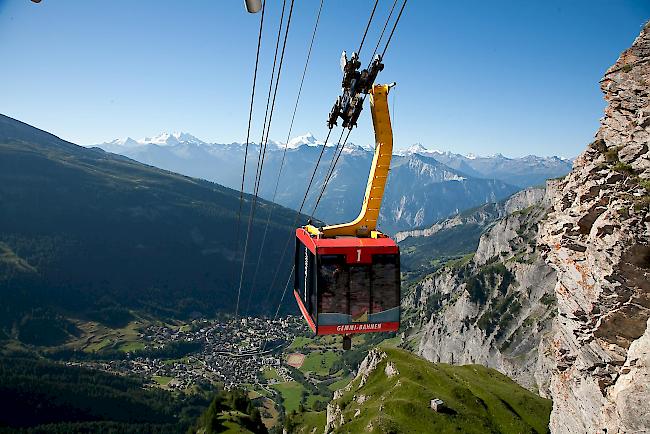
[597, 238]
[496, 308]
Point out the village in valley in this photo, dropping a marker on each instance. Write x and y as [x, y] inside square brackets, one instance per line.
[278, 360]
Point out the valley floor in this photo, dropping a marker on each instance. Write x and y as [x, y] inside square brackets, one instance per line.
[289, 375]
[281, 366]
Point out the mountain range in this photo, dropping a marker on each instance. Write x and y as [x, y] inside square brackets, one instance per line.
[527, 171]
[424, 186]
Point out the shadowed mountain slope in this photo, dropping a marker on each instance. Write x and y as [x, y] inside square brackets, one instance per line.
[82, 230]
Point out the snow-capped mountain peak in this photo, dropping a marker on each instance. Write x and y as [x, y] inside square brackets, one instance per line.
[418, 149]
[174, 138]
[128, 141]
[162, 139]
[306, 139]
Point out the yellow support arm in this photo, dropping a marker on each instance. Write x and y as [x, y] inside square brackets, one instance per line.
[365, 225]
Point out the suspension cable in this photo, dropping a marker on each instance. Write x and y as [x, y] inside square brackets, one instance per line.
[390, 14]
[275, 93]
[295, 220]
[248, 133]
[329, 167]
[260, 160]
[262, 156]
[372, 14]
[394, 27]
[277, 311]
[284, 152]
[313, 174]
[335, 161]
[259, 156]
[330, 173]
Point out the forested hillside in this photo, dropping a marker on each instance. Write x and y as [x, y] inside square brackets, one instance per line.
[97, 234]
[49, 397]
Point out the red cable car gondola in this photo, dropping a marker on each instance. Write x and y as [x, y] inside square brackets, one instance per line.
[347, 276]
[347, 285]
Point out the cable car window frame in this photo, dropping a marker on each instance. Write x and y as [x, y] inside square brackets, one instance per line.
[391, 259]
[305, 278]
[323, 260]
[372, 274]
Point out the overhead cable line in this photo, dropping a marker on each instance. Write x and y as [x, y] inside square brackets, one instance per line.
[313, 174]
[330, 172]
[390, 14]
[394, 27]
[277, 311]
[248, 133]
[302, 204]
[257, 168]
[263, 152]
[363, 39]
[266, 138]
[260, 159]
[335, 161]
[284, 152]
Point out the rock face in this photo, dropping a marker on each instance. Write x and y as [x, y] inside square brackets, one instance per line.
[335, 418]
[597, 238]
[495, 310]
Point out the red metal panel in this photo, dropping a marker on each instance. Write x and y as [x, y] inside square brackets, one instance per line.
[306, 239]
[356, 250]
[348, 329]
[303, 309]
[344, 329]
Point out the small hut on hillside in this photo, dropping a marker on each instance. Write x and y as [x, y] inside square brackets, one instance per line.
[437, 404]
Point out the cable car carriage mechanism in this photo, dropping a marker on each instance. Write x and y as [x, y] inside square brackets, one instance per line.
[347, 276]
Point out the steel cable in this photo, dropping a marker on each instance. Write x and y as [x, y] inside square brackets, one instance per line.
[327, 179]
[284, 153]
[259, 156]
[390, 37]
[295, 221]
[248, 132]
[363, 39]
[390, 14]
[263, 154]
[330, 172]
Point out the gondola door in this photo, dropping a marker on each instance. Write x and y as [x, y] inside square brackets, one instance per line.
[305, 284]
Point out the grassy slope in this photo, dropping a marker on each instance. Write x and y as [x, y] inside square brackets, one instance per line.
[291, 393]
[480, 400]
[319, 362]
[309, 422]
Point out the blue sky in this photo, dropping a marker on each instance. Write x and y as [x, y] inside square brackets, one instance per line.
[515, 77]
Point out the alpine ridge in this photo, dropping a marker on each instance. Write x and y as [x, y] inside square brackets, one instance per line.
[446, 183]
